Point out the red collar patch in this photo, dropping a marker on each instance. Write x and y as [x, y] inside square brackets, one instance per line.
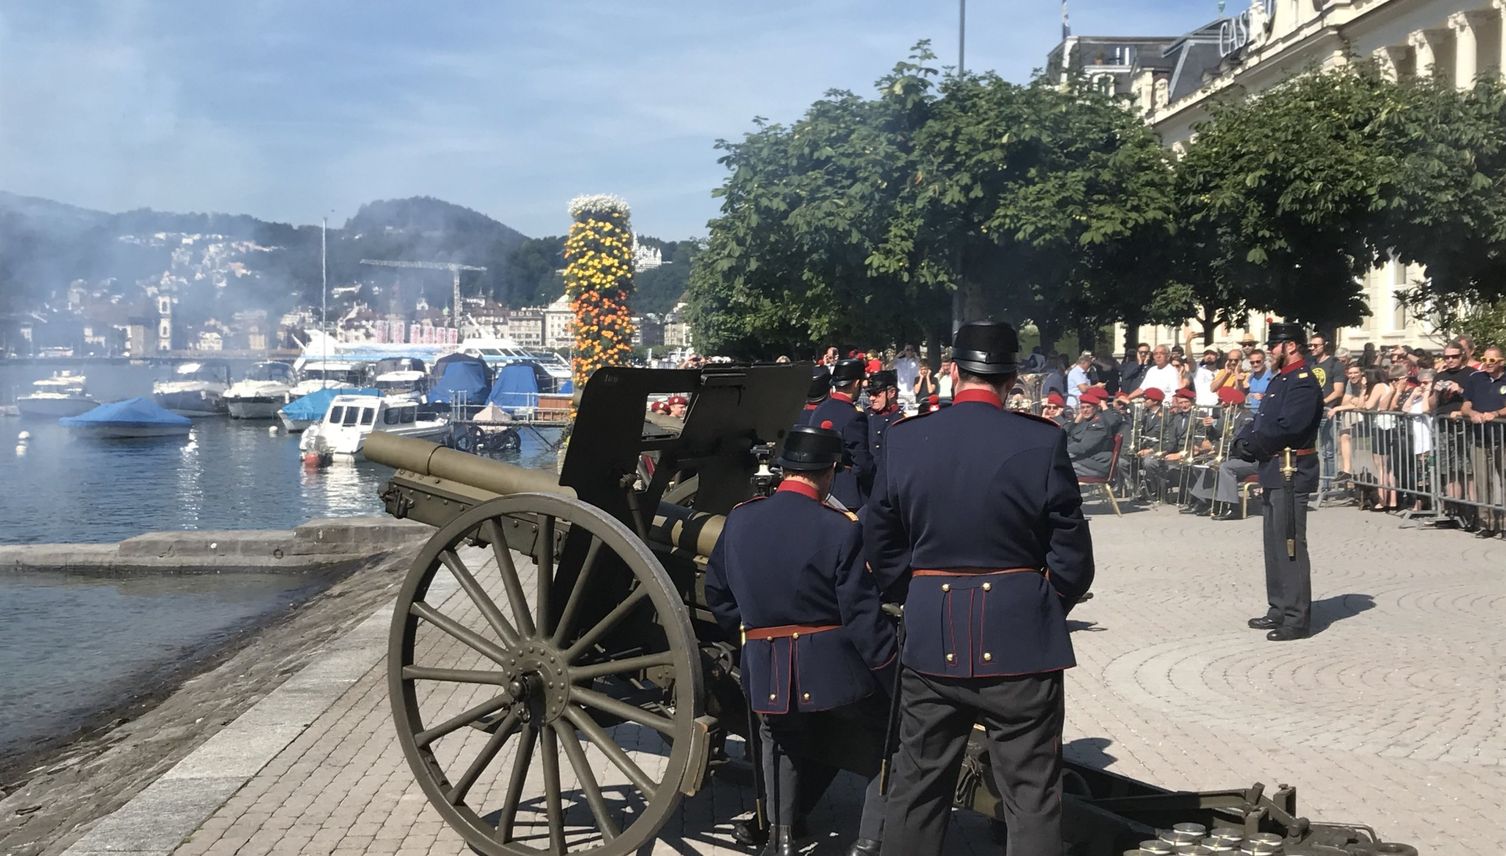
[841, 396]
[980, 396]
[1294, 365]
[805, 490]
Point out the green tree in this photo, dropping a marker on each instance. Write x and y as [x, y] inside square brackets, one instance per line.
[533, 272]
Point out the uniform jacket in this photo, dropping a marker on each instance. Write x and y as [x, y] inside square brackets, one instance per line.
[1150, 428]
[857, 464]
[1288, 418]
[1175, 438]
[877, 427]
[989, 499]
[1090, 444]
[806, 412]
[791, 560]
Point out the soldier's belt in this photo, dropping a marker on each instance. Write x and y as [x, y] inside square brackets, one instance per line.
[1302, 453]
[787, 631]
[968, 572]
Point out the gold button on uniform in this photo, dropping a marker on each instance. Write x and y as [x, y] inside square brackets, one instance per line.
[946, 586]
[794, 635]
[773, 696]
[988, 586]
[951, 658]
[805, 696]
[987, 657]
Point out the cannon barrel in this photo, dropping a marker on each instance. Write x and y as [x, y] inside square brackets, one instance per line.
[427, 471]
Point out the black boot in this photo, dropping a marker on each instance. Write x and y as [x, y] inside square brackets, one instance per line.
[864, 847]
[781, 842]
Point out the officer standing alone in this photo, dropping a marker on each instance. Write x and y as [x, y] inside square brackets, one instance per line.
[787, 575]
[1281, 440]
[976, 522]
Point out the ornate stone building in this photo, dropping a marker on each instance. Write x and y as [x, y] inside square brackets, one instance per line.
[1271, 41]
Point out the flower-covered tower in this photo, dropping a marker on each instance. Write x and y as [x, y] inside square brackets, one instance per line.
[598, 279]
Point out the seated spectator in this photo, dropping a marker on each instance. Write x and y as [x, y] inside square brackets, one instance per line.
[1090, 437]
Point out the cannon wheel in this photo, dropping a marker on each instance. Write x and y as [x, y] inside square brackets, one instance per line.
[536, 694]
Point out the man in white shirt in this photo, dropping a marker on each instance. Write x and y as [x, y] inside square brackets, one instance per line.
[1080, 378]
[906, 368]
[1202, 379]
[1163, 375]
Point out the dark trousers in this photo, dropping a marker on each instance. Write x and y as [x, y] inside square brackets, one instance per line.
[1022, 717]
[1222, 485]
[795, 779]
[1288, 582]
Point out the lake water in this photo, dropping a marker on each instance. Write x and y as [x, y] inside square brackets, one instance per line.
[69, 643]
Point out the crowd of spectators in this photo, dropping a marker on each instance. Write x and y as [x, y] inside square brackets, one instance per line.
[1404, 429]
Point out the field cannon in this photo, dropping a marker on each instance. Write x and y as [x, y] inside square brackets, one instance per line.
[567, 704]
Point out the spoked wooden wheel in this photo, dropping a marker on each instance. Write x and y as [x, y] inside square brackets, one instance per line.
[496, 669]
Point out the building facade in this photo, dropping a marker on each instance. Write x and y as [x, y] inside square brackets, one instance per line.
[1271, 41]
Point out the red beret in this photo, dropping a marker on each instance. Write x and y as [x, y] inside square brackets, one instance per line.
[677, 399]
[1230, 395]
[1155, 393]
[1056, 399]
[1187, 393]
[1093, 395]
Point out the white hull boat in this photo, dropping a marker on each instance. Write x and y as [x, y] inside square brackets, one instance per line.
[59, 396]
[352, 418]
[195, 389]
[265, 389]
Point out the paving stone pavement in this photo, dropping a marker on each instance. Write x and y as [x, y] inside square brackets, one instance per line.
[1393, 714]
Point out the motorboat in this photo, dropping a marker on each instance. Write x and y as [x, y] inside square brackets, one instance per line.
[195, 389]
[300, 413]
[461, 384]
[352, 418]
[265, 389]
[401, 376]
[134, 417]
[314, 375]
[63, 394]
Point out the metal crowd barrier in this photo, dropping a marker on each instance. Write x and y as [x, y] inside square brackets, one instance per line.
[1426, 466]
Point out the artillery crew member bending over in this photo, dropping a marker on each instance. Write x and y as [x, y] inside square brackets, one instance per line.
[1280, 439]
[787, 575]
[840, 413]
[976, 521]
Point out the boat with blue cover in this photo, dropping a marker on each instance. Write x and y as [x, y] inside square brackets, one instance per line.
[134, 417]
[310, 409]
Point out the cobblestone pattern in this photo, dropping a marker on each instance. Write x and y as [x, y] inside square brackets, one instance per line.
[1392, 714]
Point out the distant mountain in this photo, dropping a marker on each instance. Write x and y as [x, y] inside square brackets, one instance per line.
[44, 245]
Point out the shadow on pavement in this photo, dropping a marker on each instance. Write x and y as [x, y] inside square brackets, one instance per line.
[1090, 752]
[1337, 608]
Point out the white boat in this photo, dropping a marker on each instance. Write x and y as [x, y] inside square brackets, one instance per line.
[195, 389]
[351, 419]
[265, 388]
[63, 394]
[401, 377]
[314, 375]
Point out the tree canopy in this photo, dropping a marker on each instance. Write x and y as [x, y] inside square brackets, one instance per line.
[1052, 203]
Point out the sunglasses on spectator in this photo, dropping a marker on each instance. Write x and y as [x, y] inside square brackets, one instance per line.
[1490, 361]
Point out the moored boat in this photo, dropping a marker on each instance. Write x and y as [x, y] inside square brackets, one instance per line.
[63, 394]
[309, 410]
[265, 388]
[134, 417]
[352, 418]
[195, 388]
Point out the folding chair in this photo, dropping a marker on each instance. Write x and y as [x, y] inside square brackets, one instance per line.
[1107, 482]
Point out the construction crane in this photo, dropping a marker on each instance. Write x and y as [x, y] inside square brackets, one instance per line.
[452, 267]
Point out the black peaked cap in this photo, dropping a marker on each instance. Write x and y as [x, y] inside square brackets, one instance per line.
[986, 347]
[808, 448]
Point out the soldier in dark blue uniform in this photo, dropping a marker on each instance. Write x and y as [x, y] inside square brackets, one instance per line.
[788, 575]
[976, 523]
[1281, 440]
[883, 411]
[840, 413]
[819, 388]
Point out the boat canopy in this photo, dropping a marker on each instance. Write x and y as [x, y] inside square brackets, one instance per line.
[312, 407]
[209, 370]
[517, 386]
[460, 377]
[272, 371]
[132, 412]
[390, 365]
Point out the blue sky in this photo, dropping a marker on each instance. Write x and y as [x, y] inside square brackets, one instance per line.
[295, 109]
